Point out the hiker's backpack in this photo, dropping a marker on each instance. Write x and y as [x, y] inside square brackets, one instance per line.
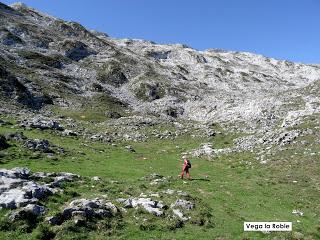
[189, 164]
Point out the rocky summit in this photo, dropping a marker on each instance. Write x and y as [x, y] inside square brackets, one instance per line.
[103, 122]
[48, 61]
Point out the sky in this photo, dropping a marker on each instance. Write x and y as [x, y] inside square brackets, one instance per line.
[282, 29]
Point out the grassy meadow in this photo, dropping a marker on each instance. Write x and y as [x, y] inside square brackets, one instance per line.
[229, 189]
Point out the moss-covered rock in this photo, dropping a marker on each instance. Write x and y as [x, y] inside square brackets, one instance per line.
[41, 60]
[149, 91]
[111, 73]
[75, 50]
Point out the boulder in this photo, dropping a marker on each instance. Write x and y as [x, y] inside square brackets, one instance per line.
[96, 178]
[76, 50]
[68, 132]
[39, 145]
[15, 198]
[179, 214]
[41, 123]
[54, 220]
[287, 137]
[14, 173]
[18, 193]
[204, 150]
[18, 188]
[130, 148]
[101, 137]
[297, 212]
[31, 210]
[112, 114]
[183, 204]
[63, 177]
[153, 207]
[86, 209]
[17, 136]
[37, 191]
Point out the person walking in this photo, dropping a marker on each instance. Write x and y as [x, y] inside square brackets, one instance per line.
[185, 167]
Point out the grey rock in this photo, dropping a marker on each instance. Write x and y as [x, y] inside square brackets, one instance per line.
[41, 175]
[15, 198]
[22, 193]
[184, 204]
[67, 212]
[18, 136]
[130, 148]
[102, 213]
[297, 212]
[151, 206]
[177, 192]
[287, 137]
[17, 172]
[96, 178]
[41, 123]
[31, 210]
[112, 114]
[80, 213]
[36, 190]
[39, 145]
[89, 208]
[18, 188]
[179, 214]
[204, 150]
[54, 220]
[63, 177]
[169, 191]
[86, 203]
[101, 137]
[68, 132]
[34, 209]
[79, 220]
[76, 50]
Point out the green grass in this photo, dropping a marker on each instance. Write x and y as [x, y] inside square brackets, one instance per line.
[233, 192]
[95, 109]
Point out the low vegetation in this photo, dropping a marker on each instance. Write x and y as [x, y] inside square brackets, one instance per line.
[229, 189]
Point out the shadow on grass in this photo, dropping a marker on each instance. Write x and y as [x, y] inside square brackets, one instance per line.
[200, 179]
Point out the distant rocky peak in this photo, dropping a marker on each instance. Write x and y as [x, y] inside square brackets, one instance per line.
[19, 6]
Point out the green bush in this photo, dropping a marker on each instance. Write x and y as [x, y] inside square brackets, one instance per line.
[43, 232]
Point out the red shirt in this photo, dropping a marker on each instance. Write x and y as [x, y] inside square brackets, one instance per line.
[185, 163]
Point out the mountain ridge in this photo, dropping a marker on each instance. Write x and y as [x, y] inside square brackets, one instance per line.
[167, 80]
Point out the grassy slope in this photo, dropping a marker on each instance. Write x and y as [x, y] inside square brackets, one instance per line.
[236, 191]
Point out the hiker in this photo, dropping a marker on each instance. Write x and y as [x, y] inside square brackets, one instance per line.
[185, 168]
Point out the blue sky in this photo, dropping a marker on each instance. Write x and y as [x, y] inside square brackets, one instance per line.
[283, 29]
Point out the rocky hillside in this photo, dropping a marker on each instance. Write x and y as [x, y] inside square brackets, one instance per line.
[47, 61]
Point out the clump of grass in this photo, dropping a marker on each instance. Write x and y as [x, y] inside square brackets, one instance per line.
[41, 59]
[112, 73]
[43, 232]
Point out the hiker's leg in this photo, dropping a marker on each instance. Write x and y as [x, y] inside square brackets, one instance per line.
[187, 173]
[182, 173]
